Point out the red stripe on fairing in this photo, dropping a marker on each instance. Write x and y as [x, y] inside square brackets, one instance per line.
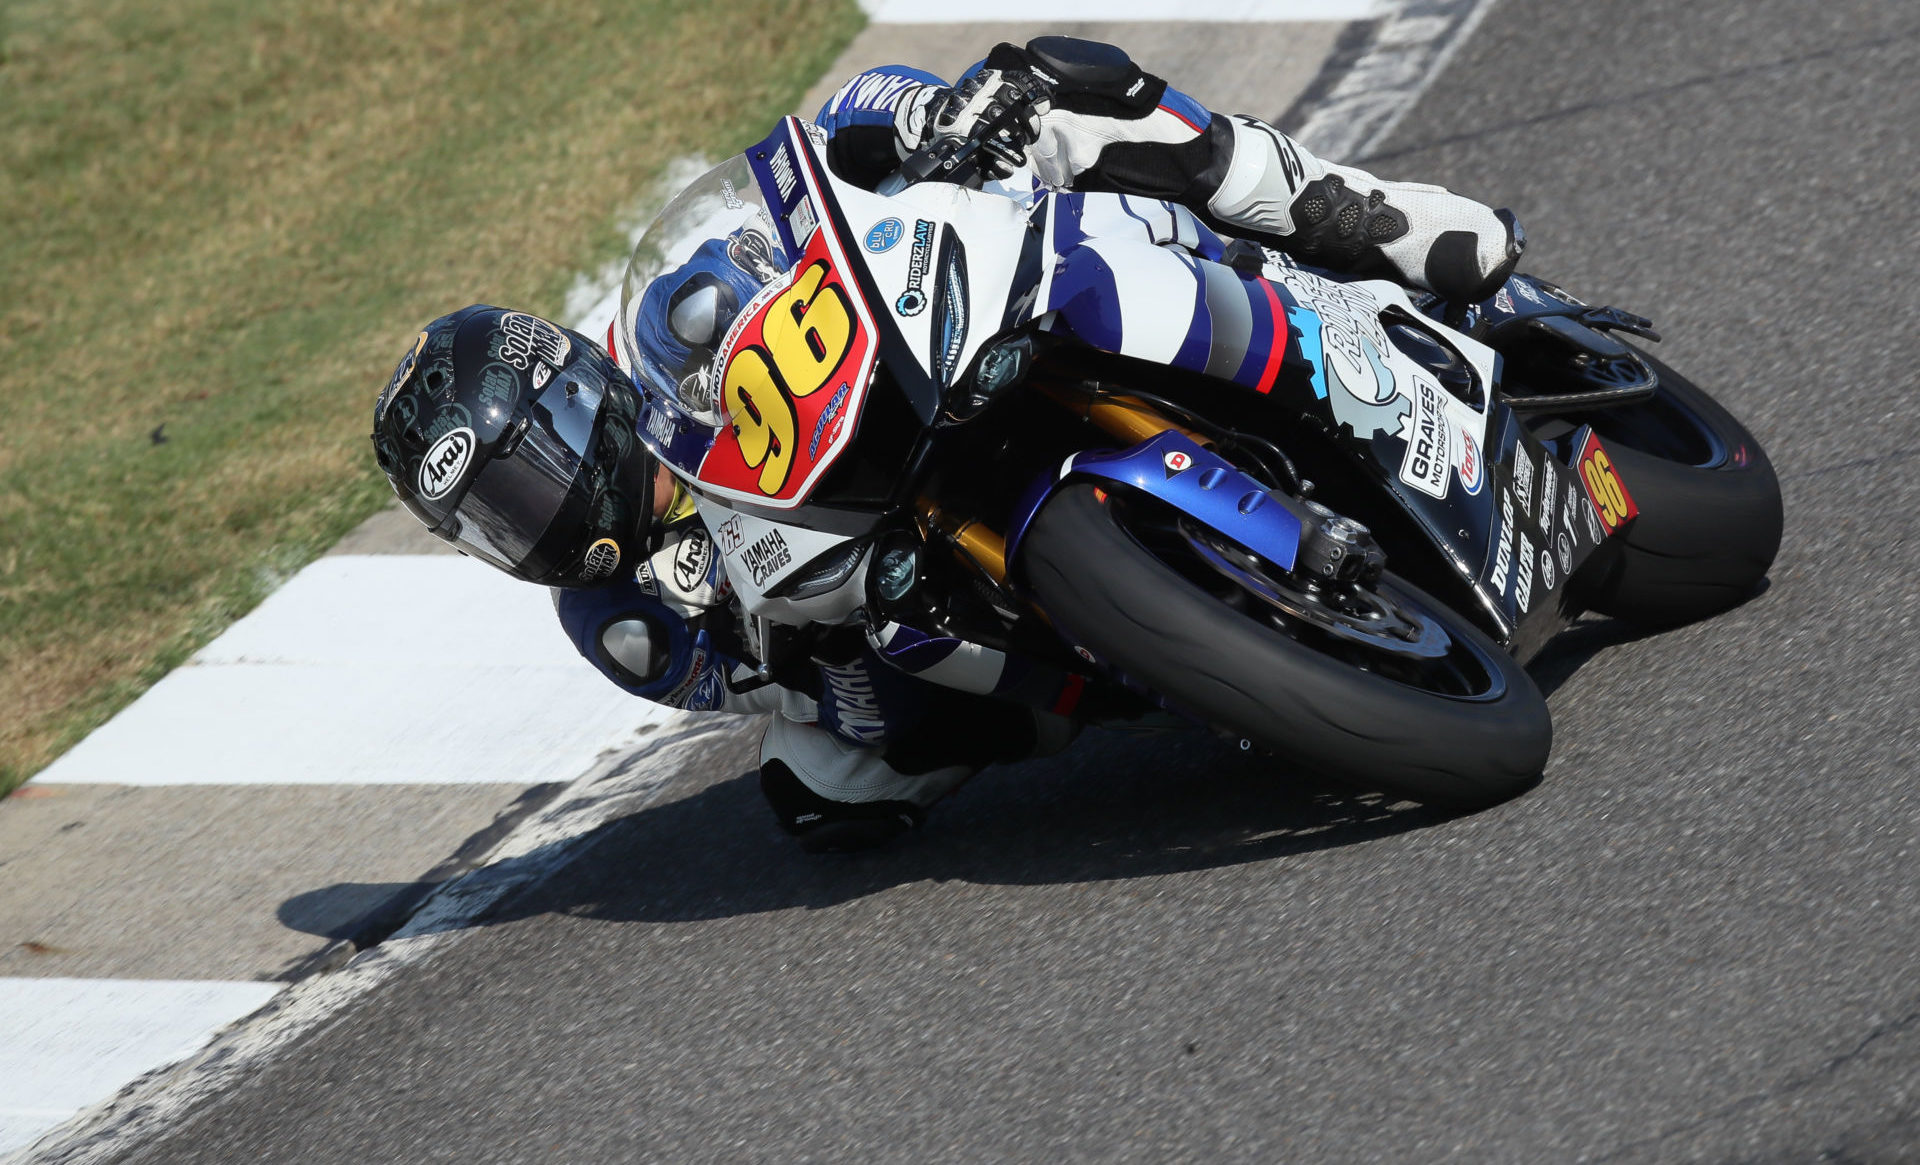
[1070, 696]
[613, 349]
[1277, 347]
[1184, 120]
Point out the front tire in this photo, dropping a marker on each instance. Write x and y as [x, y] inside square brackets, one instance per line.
[1710, 510]
[1470, 731]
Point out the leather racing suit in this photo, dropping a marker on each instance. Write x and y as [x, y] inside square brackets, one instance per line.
[857, 749]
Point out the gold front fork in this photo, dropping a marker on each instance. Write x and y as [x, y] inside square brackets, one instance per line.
[1126, 419]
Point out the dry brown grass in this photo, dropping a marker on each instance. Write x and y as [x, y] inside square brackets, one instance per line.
[230, 218]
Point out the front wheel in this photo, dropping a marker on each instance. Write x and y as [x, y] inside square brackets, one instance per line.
[1384, 685]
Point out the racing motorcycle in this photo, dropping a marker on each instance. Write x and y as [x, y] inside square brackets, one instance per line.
[1081, 450]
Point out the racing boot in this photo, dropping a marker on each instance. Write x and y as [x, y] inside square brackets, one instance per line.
[836, 797]
[1347, 220]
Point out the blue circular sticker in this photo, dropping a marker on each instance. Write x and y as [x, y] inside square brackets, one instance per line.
[884, 234]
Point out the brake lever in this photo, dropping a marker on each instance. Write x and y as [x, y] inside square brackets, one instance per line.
[932, 161]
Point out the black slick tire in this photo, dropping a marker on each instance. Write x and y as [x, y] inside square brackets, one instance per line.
[1109, 593]
[1710, 510]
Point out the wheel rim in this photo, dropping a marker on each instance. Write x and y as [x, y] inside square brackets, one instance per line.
[1384, 630]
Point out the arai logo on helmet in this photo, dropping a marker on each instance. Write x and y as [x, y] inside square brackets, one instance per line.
[445, 461]
[884, 234]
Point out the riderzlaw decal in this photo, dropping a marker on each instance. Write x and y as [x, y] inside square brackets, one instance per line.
[913, 300]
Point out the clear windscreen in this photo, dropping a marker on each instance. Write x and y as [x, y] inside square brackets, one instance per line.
[707, 254]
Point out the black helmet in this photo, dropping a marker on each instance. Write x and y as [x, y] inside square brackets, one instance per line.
[514, 439]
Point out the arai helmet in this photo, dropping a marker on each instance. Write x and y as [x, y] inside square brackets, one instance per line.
[513, 438]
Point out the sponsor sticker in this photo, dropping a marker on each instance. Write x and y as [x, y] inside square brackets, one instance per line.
[828, 424]
[782, 167]
[499, 384]
[882, 236]
[1426, 464]
[1177, 462]
[445, 461]
[692, 560]
[1503, 556]
[913, 300]
[405, 368]
[1523, 575]
[1563, 548]
[1523, 477]
[1546, 568]
[802, 221]
[542, 372]
[520, 339]
[1543, 509]
[603, 558]
[767, 555]
[1605, 490]
[1473, 473]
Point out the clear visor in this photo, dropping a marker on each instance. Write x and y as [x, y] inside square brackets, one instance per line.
[518, 493]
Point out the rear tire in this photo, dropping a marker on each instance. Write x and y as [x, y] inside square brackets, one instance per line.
[1286, 687]
[1710, 510]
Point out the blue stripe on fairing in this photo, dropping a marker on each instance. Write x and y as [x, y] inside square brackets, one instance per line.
[1088, 301]
[1186, 107]
[1068, 210]
[1260, 344]
[1126, 208]
[1306, 321]
[1198, 345]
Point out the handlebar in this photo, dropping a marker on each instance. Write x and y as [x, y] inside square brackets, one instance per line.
[957, 159]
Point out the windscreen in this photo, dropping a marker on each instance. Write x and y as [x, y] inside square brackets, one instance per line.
[701, 262]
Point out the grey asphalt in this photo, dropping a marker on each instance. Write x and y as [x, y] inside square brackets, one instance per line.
[1696, 940]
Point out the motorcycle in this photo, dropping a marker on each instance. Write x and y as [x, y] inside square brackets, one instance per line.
[1080, 450]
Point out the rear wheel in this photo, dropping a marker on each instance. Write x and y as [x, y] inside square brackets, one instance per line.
[1383, 684]
[1710, 512]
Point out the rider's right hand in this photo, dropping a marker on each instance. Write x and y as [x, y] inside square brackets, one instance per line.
[963, 112]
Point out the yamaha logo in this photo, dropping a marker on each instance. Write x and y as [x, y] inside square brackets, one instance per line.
[445, 462]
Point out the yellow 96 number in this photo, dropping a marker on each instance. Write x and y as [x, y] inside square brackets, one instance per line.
[805, 333]
[1604, 485]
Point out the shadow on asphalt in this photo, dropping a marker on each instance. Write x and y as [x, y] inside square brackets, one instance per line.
[1111, 807]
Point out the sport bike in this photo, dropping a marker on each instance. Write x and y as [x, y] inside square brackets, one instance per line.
[1079, 449]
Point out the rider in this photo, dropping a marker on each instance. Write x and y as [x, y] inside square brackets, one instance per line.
[515, 439]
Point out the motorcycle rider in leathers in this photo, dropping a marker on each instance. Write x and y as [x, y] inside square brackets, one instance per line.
[515, 439]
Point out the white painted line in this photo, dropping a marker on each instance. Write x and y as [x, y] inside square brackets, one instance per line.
[619, 785]
[1409, 50]
[66, 1044]
[1108, 11]
[382, 669]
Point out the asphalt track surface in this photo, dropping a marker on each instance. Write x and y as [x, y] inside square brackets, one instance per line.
[1697, 940]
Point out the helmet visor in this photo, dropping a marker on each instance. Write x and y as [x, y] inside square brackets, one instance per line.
[516, 496]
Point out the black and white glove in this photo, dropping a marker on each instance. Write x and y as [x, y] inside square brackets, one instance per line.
[1001, 107]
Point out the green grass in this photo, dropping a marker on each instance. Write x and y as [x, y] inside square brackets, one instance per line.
[230, 217]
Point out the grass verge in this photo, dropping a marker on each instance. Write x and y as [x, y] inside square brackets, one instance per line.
[224, 221]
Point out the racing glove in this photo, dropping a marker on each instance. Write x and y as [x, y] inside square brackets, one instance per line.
[978, 107]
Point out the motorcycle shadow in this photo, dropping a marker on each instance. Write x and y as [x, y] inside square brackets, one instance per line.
[1110, 808]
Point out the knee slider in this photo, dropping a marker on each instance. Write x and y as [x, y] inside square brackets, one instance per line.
[825, 826]
[1335, 225]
